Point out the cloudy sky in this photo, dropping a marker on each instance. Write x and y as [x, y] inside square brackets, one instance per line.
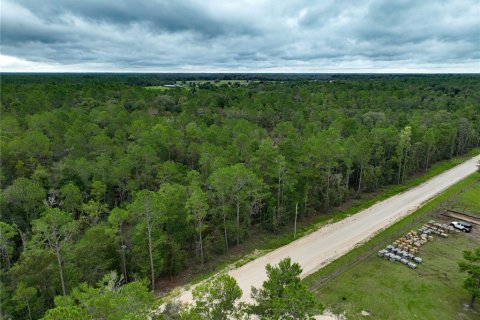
[240, 35]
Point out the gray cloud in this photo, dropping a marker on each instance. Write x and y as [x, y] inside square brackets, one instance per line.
[244, 35]
[160, 16]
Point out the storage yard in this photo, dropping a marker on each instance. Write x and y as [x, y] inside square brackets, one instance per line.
[406, 248]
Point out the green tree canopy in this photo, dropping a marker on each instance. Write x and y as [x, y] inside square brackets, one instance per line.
[109, 300]
[471, 266]
[51, 231]
[25, 197]
[215, 299]
[283, 295]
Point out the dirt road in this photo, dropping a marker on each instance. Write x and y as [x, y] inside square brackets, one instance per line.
[331, 241]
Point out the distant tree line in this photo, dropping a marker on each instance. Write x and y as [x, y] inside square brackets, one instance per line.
[100, 174]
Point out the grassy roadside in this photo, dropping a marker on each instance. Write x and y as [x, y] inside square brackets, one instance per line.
[264, 242]
[469, 201]
[389, 290]
[433, 291]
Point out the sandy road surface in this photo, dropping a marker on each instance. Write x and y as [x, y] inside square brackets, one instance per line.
[334, 240]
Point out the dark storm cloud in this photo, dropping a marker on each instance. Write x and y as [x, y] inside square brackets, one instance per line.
[168, 16]
[246, 35]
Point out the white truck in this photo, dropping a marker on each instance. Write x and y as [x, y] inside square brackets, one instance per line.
[462, 226]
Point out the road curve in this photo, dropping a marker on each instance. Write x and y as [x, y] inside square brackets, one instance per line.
[334, 240]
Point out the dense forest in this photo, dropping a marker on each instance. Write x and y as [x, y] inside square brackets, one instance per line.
[101, 174]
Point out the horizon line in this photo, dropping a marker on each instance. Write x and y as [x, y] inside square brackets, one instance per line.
[240, 72]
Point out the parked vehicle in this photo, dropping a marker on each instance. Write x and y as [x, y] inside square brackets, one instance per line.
[462, 226]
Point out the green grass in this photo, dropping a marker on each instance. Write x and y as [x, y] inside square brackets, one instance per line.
[158, 88]
[216, 82]
[469, 201]
[392, 291]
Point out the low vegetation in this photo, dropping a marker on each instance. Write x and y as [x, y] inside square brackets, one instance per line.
[159, 88]
[206, 83]
[471, 266]
[468, 201]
